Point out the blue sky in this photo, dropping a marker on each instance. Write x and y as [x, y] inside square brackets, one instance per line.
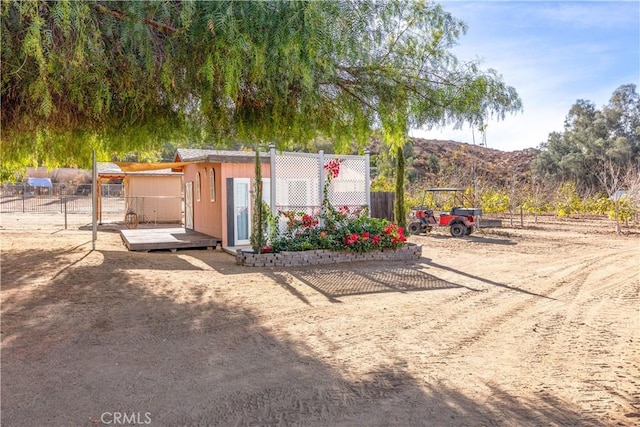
[553, 53]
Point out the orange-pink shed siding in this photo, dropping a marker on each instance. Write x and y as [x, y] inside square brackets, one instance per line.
[209, 217]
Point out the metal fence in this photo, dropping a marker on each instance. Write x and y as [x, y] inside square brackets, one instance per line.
[59, 189]
[60, 198]
[155, 209]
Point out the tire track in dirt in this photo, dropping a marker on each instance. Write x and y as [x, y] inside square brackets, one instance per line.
[568, 283]
[572, 329]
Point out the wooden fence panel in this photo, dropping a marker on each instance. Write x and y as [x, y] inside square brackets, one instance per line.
[382, 204]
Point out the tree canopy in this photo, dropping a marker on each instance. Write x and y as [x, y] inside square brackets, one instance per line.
[122, 76]
[592, 140]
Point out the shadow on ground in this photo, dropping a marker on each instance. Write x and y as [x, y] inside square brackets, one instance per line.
[97, 338]
[369, 278]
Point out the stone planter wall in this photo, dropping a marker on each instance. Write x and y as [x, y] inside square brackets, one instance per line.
[324, 256]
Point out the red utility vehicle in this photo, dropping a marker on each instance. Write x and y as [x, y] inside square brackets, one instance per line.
[461, 221]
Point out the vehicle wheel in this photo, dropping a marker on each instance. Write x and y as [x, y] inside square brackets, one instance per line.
[470, 230]
[415, 228]
[458, 230]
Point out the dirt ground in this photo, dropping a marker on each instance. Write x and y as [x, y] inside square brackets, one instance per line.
[534, 326]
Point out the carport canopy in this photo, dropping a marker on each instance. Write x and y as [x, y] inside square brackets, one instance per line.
[40, 182]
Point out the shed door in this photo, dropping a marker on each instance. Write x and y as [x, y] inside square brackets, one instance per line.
[188, 205]
[241, 210]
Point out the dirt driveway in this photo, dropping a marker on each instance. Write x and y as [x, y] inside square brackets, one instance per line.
[527, 327]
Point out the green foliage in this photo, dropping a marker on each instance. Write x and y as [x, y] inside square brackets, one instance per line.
[593, 138]
[622, 209]
[533, 204]
[598, 204]
[411, 200]
[337, 229]
[129, 76]
[334, 228]
[259, 220]
[567, 201]
[494, 201]
[400, 213]
[10, 174]
[382, 183]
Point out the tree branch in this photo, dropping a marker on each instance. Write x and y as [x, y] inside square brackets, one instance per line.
[165, 28]
[355, 95]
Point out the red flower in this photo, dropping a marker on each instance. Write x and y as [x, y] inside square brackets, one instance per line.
[266, 249]
[365, 236]
[376, 239]
[323, 234]
[354, 237]
[333, 167]
[309, 221]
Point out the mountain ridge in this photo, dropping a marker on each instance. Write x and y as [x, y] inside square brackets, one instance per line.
[448, 162]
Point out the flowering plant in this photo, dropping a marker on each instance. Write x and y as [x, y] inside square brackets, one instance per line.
[343, 228]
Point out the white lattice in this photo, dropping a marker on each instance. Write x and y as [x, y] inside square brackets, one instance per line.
[300, 180]
[349, 187]
[297, 182]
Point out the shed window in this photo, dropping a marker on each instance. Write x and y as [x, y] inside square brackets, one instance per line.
[212, 185]
[197, 189]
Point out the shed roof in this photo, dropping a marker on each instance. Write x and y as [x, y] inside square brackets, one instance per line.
[217, 156]
[130, 168]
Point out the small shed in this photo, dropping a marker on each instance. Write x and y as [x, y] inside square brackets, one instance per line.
[219, 187]
[154, 195]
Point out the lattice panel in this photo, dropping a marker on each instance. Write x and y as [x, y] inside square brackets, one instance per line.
[348, 188]
[298, 182]
[300, 185]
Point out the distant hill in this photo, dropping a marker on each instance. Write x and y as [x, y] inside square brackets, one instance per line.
[450, 163]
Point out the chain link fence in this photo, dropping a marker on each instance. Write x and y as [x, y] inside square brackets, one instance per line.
[112, 206]
[155, 209]
[60, 198]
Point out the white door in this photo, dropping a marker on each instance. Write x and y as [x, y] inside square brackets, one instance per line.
[188, 205]
[241, 211]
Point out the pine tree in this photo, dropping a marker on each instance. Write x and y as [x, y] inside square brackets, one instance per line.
[257, 228]
[399, 209]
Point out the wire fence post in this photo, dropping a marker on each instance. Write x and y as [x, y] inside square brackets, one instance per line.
[65, 212]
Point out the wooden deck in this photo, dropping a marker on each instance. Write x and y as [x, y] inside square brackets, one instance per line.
[149, 239]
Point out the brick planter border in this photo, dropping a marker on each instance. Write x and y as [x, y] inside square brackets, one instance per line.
[325, 256]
